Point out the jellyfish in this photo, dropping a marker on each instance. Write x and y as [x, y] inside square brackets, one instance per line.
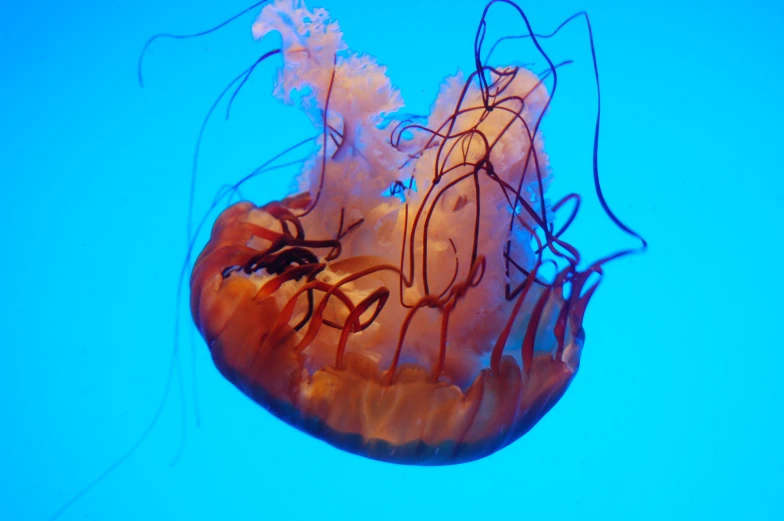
[414, 301]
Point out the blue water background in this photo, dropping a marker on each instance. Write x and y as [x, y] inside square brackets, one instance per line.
[677, 411]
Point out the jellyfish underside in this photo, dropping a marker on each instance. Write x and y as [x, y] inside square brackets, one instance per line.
[396, 307]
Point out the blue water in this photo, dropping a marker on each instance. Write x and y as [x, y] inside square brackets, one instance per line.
[677, 411]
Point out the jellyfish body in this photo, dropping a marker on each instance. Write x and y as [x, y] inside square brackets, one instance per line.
[396, 308]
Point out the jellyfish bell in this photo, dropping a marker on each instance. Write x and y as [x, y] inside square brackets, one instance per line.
[397, 307]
